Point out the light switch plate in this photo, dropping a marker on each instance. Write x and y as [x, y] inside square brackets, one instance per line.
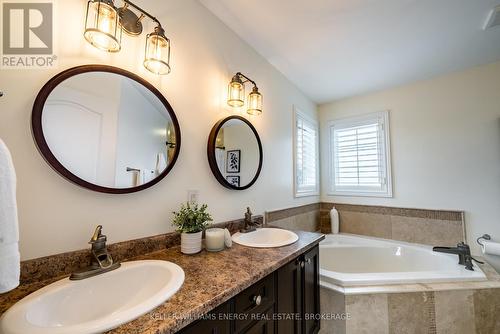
[193, 196]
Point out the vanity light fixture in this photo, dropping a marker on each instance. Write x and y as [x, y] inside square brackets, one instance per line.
[103, 29]
[236, 94]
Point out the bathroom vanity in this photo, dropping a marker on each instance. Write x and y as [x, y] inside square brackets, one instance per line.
[278, 303]
[249, 288]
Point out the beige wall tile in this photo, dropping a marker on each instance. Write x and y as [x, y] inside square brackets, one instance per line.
[272, 216]
[395, 211]
[375, 225]
[285, 223]
[325, 225]
[369, 314]
[411, 313]
[332, 302]
[427, 231]
[308, 221]
[455, 312]
[487, 311]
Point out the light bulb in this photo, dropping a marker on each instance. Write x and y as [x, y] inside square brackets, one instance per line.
[102, 29]
[157, 55]
[255, 102]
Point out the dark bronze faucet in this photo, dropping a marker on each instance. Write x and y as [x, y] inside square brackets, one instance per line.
[463, 252]
[250, 225]
[101, 261]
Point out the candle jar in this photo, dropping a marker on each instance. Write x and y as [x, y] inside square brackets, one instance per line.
[214, 239]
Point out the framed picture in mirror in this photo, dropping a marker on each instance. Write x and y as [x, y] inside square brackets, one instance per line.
[233, 180]
[233, 161]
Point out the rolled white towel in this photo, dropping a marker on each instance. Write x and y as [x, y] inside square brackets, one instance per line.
[9, 230]
[490, 248]
[334, 221]
[9, 267]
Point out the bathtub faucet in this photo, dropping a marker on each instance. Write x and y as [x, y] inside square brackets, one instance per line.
[463, 252]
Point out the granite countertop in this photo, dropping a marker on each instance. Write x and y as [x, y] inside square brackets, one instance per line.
[211, 279]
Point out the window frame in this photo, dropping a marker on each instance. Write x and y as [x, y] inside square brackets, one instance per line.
[298, 114]
[383, 117]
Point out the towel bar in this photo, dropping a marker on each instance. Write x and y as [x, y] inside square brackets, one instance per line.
[485, 237]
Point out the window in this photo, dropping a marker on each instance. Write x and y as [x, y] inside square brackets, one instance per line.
[306, 153]
[360, 156]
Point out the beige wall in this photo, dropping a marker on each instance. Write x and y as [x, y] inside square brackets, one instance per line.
[57, 216]
[445, 135]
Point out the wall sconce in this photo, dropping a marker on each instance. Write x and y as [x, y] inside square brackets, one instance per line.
[103, 29]
[236, 94]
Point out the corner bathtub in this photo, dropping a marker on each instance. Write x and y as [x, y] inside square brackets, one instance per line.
[349, 260]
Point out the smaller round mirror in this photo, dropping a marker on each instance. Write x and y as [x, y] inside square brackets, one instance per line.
[235, 153]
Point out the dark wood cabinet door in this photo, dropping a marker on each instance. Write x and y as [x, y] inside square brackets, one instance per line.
[311, 289]
[289, 300]
[213, 324]
[263, 326]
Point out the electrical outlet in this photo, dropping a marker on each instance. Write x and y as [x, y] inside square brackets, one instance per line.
[193, 196]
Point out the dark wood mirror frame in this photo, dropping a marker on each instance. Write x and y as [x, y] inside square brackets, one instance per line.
[213, 161]
[41, 143]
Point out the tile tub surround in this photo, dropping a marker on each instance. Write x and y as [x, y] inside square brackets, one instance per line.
[302, 218]
[211, 279]
[430, 227]
[439, 312]
[66, 263]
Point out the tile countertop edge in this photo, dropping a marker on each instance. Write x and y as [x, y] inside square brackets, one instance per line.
[163, 327]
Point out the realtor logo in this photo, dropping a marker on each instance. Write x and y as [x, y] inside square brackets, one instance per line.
[27, 35]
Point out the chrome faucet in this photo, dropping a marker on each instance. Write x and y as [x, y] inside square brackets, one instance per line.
[101, 261]
[250, 224]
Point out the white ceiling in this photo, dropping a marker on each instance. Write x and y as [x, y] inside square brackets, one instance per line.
[332, 49]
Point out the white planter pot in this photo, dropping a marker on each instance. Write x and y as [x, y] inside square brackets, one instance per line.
[191, 243]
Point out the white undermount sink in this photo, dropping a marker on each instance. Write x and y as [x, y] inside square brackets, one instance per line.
[95, 304]
[265, 238]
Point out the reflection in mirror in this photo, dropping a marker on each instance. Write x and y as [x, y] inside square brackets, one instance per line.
[109, 130]
[237, 153]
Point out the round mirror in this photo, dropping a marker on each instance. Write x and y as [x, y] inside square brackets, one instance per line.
[235, 153]
[106, 129]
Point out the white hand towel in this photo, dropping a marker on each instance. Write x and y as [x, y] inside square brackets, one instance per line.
[9, 230]
[161, 163]
[10, 267]
[138, 177]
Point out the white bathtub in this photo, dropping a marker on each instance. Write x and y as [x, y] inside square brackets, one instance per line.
[350, 260]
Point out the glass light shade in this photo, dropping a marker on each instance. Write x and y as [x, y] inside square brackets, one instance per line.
[102, 28]
[157, 57]
[236, 93]
[255, 102]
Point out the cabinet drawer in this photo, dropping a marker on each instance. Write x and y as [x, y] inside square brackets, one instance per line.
[253, 301]
[212, 325]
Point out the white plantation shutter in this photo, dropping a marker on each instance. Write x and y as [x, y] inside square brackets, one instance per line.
[306, 156]
[360, 156]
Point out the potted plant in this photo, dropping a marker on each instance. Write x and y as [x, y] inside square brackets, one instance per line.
[190, 221]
